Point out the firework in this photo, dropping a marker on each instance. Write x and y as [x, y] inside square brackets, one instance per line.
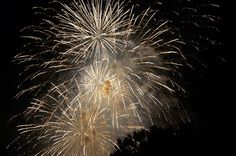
[76, 130]
[98, 73]
[68, 123]
[94, 30]
[72, 40]
[117, 67]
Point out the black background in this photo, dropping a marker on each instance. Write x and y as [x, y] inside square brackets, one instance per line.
[209, 92]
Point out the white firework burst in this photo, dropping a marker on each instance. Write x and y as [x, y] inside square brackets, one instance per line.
[93, 30]
[134, 80]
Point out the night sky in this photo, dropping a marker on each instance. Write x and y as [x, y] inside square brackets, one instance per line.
[208, 93]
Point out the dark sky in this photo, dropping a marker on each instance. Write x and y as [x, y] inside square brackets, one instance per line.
[208, 92]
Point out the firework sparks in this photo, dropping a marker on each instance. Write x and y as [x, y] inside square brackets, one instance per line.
[116, 91]
[72, 42]
[76, 126]
[76, 131]
[93, 30]
[107, 71]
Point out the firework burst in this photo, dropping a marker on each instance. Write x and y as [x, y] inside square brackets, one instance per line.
[93, 30]
[98, 73]
[69, 123]
[120, 73]
[85, 32]
[76, 131]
